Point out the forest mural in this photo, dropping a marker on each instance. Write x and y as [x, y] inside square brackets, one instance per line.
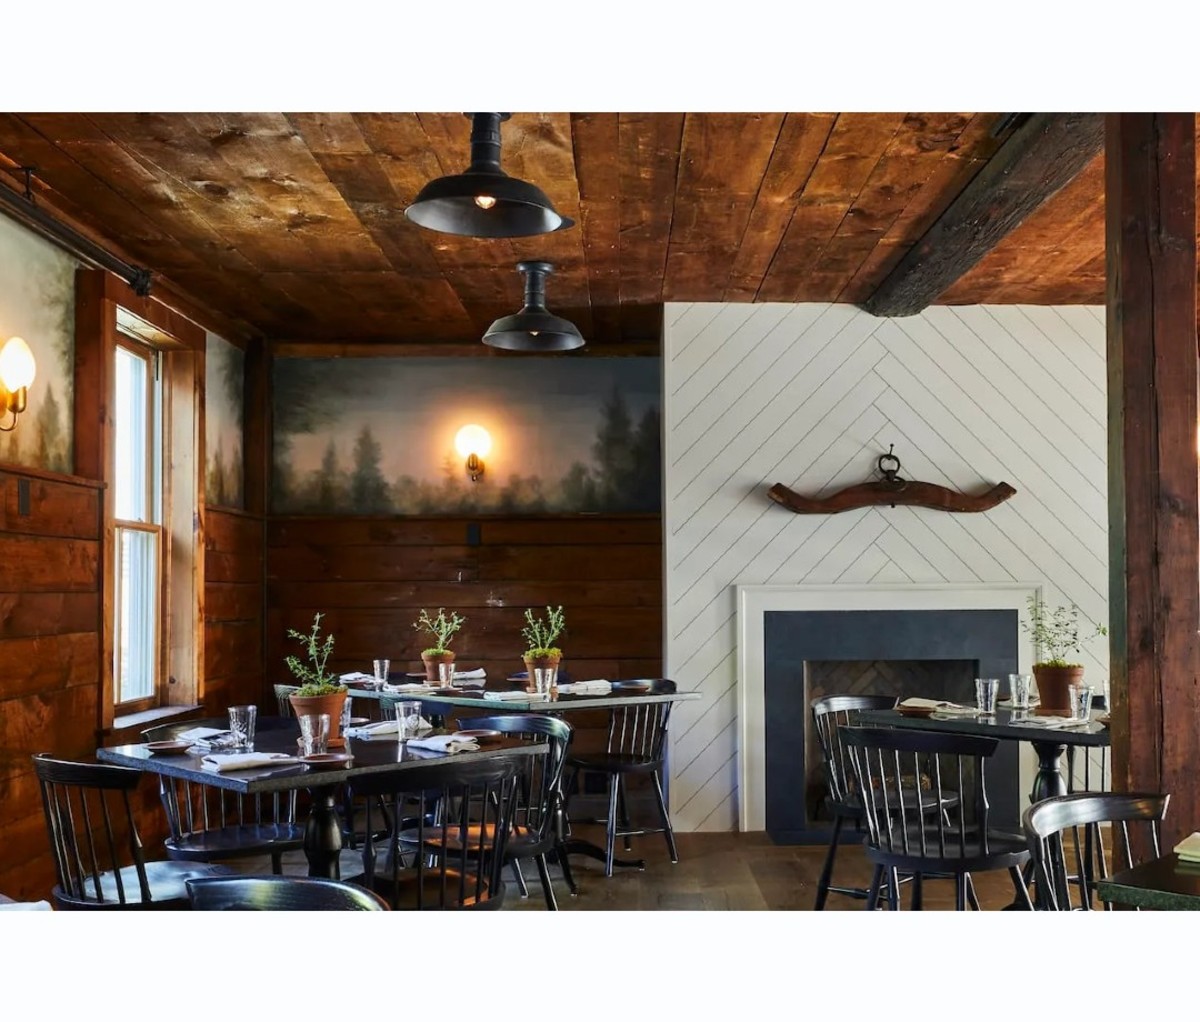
[224, 381]
[37, 302]
[376, 435]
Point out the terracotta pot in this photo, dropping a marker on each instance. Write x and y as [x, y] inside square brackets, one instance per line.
[1054, 687]
[541, 663]
[431, 660]
[331, 704]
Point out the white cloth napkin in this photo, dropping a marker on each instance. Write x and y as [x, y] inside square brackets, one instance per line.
[1188, 849]
[200, 734]
[1052, 723]
[596, 687]
[245, 761]
[941, 705]
[506, 695]
[408, 686]
[380, 728]
[356, 676]
[479, 672]
[26, 906]
[444, 743]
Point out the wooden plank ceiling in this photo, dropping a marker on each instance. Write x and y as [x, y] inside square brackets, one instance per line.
[291, 226]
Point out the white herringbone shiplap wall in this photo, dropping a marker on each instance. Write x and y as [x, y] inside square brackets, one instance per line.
[809, 395]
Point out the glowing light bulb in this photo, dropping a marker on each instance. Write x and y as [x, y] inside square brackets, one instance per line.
[472, 439]
[485, 201]
[17, 367]
[534, 333]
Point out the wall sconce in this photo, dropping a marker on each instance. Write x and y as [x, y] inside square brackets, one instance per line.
[473, 443]
[17, 370]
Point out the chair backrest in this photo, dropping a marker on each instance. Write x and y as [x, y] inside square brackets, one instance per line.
[282, 692]
[539, 801]
[1047, 822]
[640, 729]
[829, 713]
[448, 852]
[92, 831]
[903, 778]
[281, 894]
[192, 807]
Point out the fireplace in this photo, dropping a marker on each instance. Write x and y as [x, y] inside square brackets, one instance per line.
[799, 642]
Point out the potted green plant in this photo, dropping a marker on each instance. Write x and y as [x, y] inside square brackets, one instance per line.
[441, 628]
[319, 691]
[1057, 637]
[542, 657]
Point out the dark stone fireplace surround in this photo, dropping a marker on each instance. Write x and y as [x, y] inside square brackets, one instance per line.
[988, 638]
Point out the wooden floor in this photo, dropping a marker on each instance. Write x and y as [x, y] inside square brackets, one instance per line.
[744, 872]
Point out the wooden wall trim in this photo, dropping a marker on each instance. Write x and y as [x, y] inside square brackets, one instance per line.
[53, 477]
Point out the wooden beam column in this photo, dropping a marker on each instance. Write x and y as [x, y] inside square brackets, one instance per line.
[1154, 520]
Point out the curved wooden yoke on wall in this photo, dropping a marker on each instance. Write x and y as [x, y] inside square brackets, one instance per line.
[892, 489]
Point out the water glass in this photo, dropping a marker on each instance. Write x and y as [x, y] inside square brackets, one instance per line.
[1019, 686]
[314, 733]
[241, 727]
[445, 674]
[986, 690]
[345, 719]
[1081, 701]
[382, 669]
[408, 717]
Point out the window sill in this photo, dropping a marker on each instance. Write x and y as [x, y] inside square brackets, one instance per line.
[148, 718]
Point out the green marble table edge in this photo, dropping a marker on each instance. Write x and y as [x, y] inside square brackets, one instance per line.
[1096, 735]
[573, 702]
[1123, 889]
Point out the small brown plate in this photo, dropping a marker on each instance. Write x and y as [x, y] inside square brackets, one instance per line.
[484, 736]
[328, 760]
[631, 686]
[168, 747]
[915, 711]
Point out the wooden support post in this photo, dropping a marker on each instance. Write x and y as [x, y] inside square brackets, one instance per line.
[1154, 521]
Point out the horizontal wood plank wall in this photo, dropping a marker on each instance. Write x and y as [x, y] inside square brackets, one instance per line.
[371, 577]
[233, 610]
[49, 655]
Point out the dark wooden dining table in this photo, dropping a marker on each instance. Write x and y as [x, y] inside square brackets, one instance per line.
[1165, 883]
[323, 832]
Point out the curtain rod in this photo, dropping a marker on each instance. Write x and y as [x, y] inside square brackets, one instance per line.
[26, 210]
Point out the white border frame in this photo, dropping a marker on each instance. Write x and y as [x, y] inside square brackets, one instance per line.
[753, 601]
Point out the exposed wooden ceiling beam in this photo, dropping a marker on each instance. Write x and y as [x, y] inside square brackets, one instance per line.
[1042, 154]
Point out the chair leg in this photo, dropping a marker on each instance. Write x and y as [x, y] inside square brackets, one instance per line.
[960, 892]
[547, 887]
[972, 898]
[277, 863]
[916, 904]
[1021, 887]
[666, 819]
[610, 826]
[894, 889]
[623, 812]
[827, 869]
[560, 853]
[519, 877]
[873, 893]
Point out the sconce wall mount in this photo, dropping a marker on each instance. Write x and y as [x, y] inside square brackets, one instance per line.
[473, 443]
[17, 370]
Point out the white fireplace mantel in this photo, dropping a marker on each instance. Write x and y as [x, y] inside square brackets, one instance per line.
[753, 601]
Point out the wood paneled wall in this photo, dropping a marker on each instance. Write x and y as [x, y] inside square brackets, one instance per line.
[371, 576]
[233, 610]
[49, 654]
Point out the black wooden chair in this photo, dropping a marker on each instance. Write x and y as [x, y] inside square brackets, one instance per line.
[539, 824]
[281, 894]
[282, 694]
[902, 777]
[1057, 871]
[209, 824]
[449, 853]
[98, 855]
[636, 746]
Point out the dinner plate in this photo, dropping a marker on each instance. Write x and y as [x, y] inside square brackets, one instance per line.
[484, 736]
[328, 760]
[168, 747]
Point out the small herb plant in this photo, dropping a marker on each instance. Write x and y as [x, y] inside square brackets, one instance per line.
[442, 628]
[1056, 633]
[314, 679]
[540, 633]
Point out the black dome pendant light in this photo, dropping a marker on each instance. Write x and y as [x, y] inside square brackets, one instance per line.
[534, 328]
[483, 201]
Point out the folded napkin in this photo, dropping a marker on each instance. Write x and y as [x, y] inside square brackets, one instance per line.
[596, 687]
[380, 728]
[245, 761]
[941, 705]
[356, 676]
[444, 743]
[479, 672]
[1188, 849]
[1052, 723]
[408, 686]
[205, 737]
[506, 695]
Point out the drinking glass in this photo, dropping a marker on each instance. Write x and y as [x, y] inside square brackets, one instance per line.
[345, 719]
[445, 674]
[314, 733]
[408, 717]
[1019, 686]
[382, 668]
[1081, 701]
[241, 727]
[542, 680]
[985, 694]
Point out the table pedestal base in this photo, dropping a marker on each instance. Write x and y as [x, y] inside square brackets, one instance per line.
[1049, 780]
[323, 835]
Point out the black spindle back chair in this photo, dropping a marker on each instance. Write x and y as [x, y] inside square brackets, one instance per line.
[538, 824]
[636, 745]
[903, 778]
[98, 855]
[1057, 871]
[283, 700]
[451, 857]
[281, 894]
